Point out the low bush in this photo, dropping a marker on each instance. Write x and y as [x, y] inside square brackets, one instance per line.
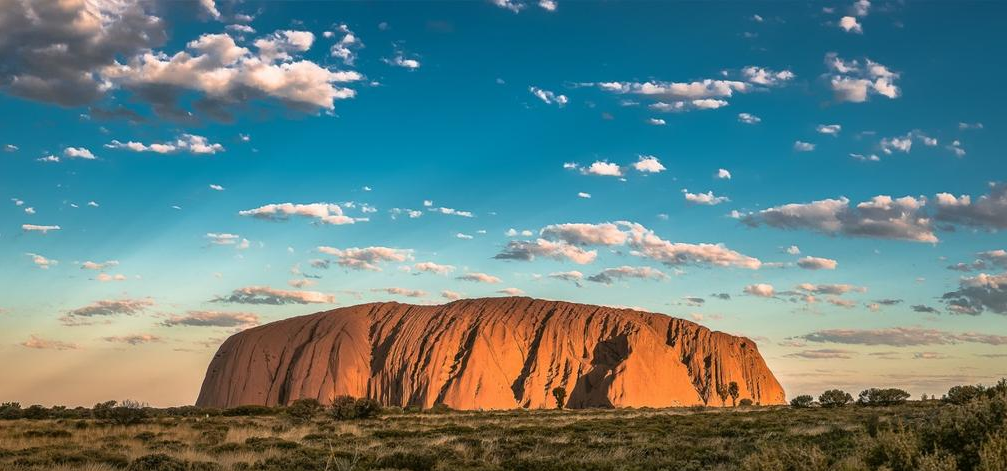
[786, 457]
[349, 408]
[302, 410]
[248, 410]
[961, 394]
[128, 413]
[802, 401]
[10, 411]
[882, 397]
[35, 412]
[47, 433]
[157, 462]
[407, 460]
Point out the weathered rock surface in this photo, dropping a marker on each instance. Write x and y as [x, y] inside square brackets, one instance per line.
[492, 353]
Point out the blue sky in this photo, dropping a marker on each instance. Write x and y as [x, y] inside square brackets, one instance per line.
[427, 131]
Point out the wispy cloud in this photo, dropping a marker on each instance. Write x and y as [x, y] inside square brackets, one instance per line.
[272, 296]
[241, 320]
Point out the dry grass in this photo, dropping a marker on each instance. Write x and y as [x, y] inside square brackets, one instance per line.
[643, 439]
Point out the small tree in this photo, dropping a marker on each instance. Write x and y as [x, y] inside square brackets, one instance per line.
[803, 401]
[835, 398]
[722, 394]
[746, 402]
[560, 394]
[733, 390]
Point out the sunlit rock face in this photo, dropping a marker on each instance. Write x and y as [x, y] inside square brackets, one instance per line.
[492, 353]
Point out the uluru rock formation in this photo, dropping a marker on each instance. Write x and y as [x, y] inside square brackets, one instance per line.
[492, 353]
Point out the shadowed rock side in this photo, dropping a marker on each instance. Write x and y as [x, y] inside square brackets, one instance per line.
[493, 353]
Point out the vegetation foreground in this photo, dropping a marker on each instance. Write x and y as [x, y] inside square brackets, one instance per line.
[967, 430]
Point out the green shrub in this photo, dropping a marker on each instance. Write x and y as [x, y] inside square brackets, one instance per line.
[48, 458]
[265, 443]
[937, 462]
[993, 454]
[128, 413]
[882, 397]
[213, 436]
[746, 402]
[896, 450]
[802, 401]
[10, 411]
[961, 394]
[302, 410]
[349, 408]
[786, 458]
[47, 433]
[966, 430]
[835, 398]
[407, 460]
[157, 462]
[35, 412]
[248, 410]
[102, 410]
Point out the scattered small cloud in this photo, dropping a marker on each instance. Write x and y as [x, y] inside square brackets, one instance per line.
[271, 296]
[610, 275]
[549, 97]
[134, 339]
[410, 293]
[762, 290]
[42, 262]
[823, 354]
[648, 164]
[40, 343]
[479, 278]
[190, 143]
[367, 258]
[78, 153]
[850, 25]
[801, 146]
[241, 320]
[901, 337]
[104, 309]
[830, 129]
[817, 263]
[326, 213]
[431, 267]
[854, 82]
[38, 228]
[708, 198]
